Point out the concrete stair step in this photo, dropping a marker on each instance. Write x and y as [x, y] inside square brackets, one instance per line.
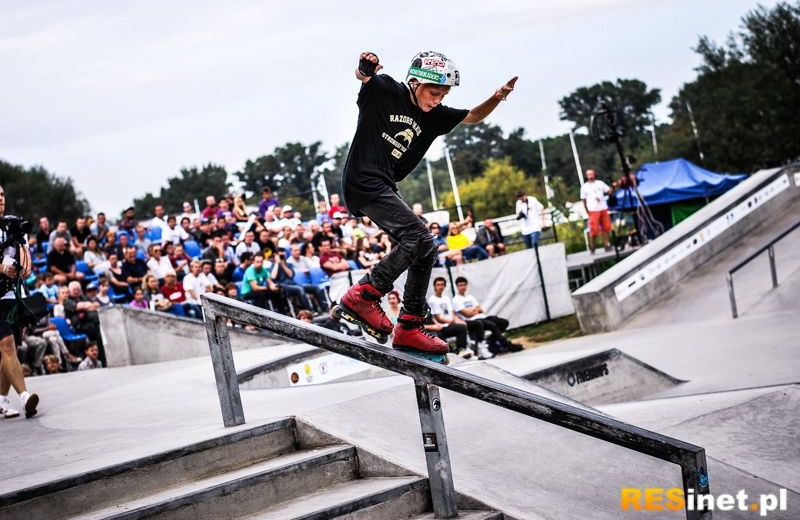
[466, 515]
[242, 491]
[138, 478]
[376, 497]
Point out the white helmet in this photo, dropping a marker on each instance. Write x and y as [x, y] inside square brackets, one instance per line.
[434, 68]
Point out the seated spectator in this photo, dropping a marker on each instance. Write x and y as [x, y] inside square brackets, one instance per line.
[174, 292]
[47, 286]
[180, 260]
[446, 324]
[248, 244]
[445, 255]
[469, 309]
[95, 257]
[240, 209]
[194, 283]
[231, 291]
[322, 213]
[332, 262]
[491, 238]
[61, 263]
[133, 268]
[141, 242]
[367, 257]
[155, 298]
[336, 206]
[210, 211]
[265, 241]
[368, 227]
[42, 236]
[393, 310]
[82, 314]
[60, 231]
[116, 277]
[99, 228]
[244, 262]
[282, 273]
[214, 250]
[457, 241]
[223, 273]
[123, 243]
[91, 357]
[58, 308]
[258, 287]
[173, 233]
[207, 273]
[52, 365]
[79, 233]
[310, 255]
[157, 264]
[102, 296]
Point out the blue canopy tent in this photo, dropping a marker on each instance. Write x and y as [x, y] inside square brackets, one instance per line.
[679, 187]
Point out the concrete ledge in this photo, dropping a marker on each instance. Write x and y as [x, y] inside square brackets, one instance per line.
[136, 337]
[644, 277]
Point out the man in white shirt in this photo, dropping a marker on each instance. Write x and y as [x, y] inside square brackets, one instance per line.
[531, 212]
[593, 195]
[445, 323]
[194, 283]
[249, 244]
[468, 309]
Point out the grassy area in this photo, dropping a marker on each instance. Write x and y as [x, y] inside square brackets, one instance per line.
[535, 335]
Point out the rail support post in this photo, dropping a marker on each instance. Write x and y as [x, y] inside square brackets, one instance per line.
[437, 456]
[694, 472]
[773, 271]
[219, 343]
[731, 294]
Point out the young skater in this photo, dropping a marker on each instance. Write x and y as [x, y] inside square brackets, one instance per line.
[397, 123]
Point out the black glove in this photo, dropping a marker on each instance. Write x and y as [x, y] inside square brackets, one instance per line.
[366, 66]
[521, 215]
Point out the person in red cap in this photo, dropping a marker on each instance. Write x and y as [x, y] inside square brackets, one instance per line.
[397, 123]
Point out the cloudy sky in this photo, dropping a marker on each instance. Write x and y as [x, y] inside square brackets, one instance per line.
[120, 95]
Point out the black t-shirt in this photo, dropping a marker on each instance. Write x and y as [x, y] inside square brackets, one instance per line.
[63, 262]
[80, 235]
[391, 138]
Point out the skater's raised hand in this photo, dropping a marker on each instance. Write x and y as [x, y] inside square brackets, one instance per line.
[368, 66]
[503, 92]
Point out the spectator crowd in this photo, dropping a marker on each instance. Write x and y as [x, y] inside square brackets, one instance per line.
[270, 256]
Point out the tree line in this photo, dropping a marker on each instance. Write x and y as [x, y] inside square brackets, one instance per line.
[742, 104]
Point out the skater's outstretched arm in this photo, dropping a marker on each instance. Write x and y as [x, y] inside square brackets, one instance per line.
[367, 66]
[480, 112]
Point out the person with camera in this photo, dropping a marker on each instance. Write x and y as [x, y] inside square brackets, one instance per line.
[593, 195]
[16, 264]
[531, 212]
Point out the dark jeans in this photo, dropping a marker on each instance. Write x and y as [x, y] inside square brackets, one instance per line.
[290, 290]
[494, 324]
[531, 240]
[414, 251]
[457, 330]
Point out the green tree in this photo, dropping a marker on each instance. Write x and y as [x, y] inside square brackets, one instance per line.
[746, 96]
[471, 146]
[629, 98]
[493, 194]
[191, 184]
[288, 170]
[35, 192]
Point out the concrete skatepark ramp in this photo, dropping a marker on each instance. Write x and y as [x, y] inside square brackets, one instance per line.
[607, 377]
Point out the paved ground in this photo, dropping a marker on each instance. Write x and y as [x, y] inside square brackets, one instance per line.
[740, 402]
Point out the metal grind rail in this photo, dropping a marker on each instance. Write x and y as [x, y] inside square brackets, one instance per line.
[428, 377]
[770, 248]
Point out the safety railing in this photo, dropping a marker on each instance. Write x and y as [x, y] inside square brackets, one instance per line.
[770, 248]
[428, 377]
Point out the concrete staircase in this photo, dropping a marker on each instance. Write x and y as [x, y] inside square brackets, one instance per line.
[283, 470]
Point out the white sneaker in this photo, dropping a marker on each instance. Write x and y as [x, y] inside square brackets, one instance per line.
[483, 351]
[29, 403]
[466, 353]
[6, 410]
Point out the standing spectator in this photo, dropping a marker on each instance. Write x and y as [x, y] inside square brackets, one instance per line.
[267, 202]
[160, 219]
[187, 212]
[99, 228]
[531, 212]
[61, 263]
[91, 361]
[469, 309]
[491, 238]
[322, 213]
[329, 260]
[457, 241]
[128, 222]
[593, 195]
